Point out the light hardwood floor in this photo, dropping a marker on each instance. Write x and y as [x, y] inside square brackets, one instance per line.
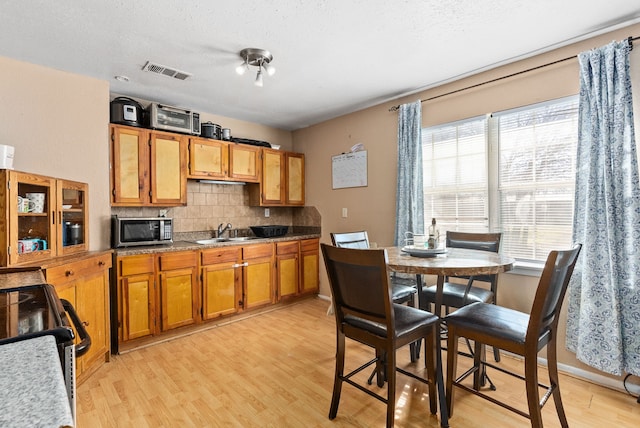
[275, 369]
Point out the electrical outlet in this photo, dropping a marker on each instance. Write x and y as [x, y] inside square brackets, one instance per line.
[267, 212]
[344, 213]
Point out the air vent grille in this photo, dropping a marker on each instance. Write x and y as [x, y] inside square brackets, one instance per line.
[166, 71]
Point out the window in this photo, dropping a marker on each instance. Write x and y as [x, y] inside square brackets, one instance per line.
[512, 171]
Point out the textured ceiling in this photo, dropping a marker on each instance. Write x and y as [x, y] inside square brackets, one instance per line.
[332, 56]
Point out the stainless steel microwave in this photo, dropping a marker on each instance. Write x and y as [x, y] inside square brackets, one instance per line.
[174, 119]
[132, 231]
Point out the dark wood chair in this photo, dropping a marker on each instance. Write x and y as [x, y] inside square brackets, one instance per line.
[457, 295]
[365, 312]
[403, 289]
[520, 333]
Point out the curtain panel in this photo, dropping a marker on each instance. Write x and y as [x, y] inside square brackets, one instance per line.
[603, 325]
[410, 192]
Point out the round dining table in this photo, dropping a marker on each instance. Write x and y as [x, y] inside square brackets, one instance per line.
[443, 263]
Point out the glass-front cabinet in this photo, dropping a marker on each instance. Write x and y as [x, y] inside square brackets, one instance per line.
[42, 217]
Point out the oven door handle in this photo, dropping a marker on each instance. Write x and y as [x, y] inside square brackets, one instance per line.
[85, 339]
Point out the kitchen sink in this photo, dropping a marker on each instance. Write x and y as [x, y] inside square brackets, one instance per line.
[211, 241]
[243, 238]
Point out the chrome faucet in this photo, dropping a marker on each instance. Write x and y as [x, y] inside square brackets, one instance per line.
[222, 229]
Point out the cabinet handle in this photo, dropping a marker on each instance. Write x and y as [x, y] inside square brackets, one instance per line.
[85, 323]
[68, 273]
[100, 263]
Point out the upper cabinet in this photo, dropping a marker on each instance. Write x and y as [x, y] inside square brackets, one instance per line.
[244, 163]
[147, 167]
[208, 159]
[282, 182]
[42, 217]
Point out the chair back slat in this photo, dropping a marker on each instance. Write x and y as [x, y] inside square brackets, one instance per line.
[359, 282]
[350, 239]
[551, 290]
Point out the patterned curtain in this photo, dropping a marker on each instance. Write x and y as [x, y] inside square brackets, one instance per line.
[603, 326]
[410, 194]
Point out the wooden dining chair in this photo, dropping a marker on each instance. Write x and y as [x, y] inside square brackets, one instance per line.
[365, 312]
[403, 290]
[516, 332]
[457, 295]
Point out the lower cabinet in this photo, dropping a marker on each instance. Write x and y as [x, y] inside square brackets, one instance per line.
[179, 297]
[310, 262]
[221, 281]
[85, 283]
[287, 268]
[157, 293]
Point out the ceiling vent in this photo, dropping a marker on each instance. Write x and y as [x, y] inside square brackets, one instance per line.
[166, 71]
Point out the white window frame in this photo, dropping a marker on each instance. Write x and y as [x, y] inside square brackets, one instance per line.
[523, 266]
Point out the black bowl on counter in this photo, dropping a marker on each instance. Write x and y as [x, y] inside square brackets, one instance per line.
[269, 231]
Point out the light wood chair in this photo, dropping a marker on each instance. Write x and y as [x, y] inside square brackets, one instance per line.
[516, 332]
[365, 312]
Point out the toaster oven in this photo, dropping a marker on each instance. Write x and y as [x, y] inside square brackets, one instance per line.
[174, 119]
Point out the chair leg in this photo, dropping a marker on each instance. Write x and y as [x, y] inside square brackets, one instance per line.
[391, 386]
[552, 363]
[337, 380]
[496, 354]
[533, 394]
[452, 364]
[478, 360]
[430, 362]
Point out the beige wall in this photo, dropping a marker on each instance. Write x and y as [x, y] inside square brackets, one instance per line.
[57, 123]
[373, 207]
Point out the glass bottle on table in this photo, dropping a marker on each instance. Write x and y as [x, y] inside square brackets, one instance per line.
[434, 235]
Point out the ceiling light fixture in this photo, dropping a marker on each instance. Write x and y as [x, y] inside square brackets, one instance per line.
[257, 58]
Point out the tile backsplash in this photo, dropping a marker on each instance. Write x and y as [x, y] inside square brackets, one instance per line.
[208, 205]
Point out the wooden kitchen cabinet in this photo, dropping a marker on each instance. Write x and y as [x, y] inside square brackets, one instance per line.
[208, 159]
[147, 167]
[282, 182]
[257, 275]
[65, 205]
[84, 282]
[221, 281]
[309, 265]
[179, 300]
[244, 163]
[287, 268]
[136, 298]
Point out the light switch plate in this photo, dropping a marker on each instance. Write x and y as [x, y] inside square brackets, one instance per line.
[344, 213]
[267, 212]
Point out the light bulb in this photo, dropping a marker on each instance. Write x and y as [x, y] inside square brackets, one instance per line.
[259, 83]
[271, 70]
[241, 68]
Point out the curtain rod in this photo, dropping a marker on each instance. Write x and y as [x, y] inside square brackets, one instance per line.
[397, 107]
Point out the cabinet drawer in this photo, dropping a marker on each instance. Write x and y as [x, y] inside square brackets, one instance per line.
[257, 251]
[287, 248]
[310, 244]
[136, 265]
[60, 274]
[179, 260]
[221, 255]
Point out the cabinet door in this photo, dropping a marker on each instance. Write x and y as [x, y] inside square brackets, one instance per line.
[273, 177]
[137, 295]
[92, 296]
[129, 166]
[294, 179]
[178, 298]
[220, 293]
[287, 268]
[168, 169]
[208, 159]
[73, 217]
[310, 258]
[244, 163]
[38, 223]
[258, 275]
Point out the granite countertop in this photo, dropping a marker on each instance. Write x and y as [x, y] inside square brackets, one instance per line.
[192, 245]
[32, 388]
